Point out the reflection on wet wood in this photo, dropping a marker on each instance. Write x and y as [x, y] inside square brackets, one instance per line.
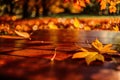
[30, 59]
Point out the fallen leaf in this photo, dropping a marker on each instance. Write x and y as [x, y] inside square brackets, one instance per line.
[100, 57]
[89, 56]
[84, 50]
[23, 34]
[106, 49]
[97, 54]
[80, 55]
[97, 45]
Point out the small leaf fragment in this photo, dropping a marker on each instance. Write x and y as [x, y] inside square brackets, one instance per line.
[80, 55]
[107, 49]
[83, 49]
[108, 46]
[100, 57]
[91, 57]
[111, 52]
[97, 44]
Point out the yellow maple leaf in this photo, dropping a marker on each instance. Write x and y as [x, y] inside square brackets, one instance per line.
[89, 56]
[97, 54]
[98, 46]
[107, 49]
[94, 56]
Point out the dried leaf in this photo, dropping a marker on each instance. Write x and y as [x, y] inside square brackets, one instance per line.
[22, 34]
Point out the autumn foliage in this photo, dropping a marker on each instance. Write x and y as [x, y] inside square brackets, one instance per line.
[96, 52]
[104, 4]
[112, 4]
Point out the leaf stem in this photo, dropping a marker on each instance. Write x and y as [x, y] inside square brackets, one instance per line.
[52, 59]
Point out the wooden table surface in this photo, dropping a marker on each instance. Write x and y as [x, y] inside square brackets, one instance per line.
[22, 59]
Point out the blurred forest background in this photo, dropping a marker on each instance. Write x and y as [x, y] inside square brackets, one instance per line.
[38, 8]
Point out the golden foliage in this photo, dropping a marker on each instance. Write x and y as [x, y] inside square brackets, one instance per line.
[77, 6]
[98, 46]
[89, 56]
[96, 54]
[82, 3]
[103, 5]
[112, 5]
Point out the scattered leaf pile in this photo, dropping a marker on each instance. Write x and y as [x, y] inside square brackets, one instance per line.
[32, 25]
